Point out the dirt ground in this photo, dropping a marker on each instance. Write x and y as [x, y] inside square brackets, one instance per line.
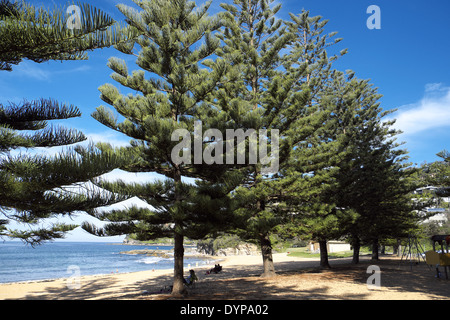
[344, 281]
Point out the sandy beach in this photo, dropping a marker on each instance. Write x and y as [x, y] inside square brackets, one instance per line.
[298, 278]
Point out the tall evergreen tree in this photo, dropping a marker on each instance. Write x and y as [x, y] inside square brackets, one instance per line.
[252, 47]
[173, 88]
[283, 68]
[35, 187]
[310, 171]
[373, 181]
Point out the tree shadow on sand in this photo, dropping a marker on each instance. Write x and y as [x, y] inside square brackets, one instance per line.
[305, 282]
[102, 287]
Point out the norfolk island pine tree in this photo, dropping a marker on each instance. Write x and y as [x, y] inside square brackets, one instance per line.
[357, 205]
[176, 43]
[354, 124]
[35, 187]
[373, 183]
[279, 92]
[310, 171]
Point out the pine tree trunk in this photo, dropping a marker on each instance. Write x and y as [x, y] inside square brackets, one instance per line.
[375, 248]
[178, 286]
[178, 271]
[395, 249]
[356, 250]
[323, 254]
[266, 250]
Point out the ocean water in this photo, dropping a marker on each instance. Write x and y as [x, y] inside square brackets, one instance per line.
[19, 262]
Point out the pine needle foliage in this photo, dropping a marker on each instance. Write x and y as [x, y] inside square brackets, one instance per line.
[439, 173]
[38, 187]
[284, 69]
[374, 184]
[27, 32]
[35, 187]
[173, 90]
[33, 116]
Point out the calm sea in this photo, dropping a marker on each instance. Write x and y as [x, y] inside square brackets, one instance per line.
[19, 262]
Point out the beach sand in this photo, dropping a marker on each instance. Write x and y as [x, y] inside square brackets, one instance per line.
[298, 278]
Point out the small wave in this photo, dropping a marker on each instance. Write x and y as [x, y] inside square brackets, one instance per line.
[154, 260]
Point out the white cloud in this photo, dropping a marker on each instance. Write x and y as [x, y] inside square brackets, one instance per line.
[31, 70]
[139, 177]
[110, 136]
[132, 177]
[79, 234]
[431, 112]
[41, 72]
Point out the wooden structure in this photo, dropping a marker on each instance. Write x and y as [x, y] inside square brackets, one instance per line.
[442, 258]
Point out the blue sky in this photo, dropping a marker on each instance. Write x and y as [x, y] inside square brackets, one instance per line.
[407, 59]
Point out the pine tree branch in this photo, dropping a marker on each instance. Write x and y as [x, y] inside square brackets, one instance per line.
[27, 112]
[41, 36]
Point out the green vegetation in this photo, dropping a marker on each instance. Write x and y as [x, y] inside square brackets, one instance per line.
[303, 252]
[36, 187]
[173, 88]
[339, 173]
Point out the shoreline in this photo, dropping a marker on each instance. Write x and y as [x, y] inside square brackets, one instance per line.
[170, 269]
[122, 285]
[234, 260]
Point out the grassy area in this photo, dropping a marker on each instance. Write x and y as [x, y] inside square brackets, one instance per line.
[305, 253]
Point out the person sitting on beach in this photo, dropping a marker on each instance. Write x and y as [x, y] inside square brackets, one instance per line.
[217, 268]
[191, 278]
